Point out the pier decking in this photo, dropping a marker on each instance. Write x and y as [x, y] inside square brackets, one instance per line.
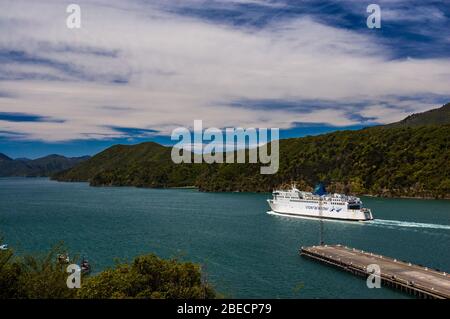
[417, 280]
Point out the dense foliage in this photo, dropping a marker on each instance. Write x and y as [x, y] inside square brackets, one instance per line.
[395, 160]
[32, 277]
[148, 276]
[378, 161]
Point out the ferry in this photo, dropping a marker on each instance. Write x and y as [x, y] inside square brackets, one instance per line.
[318, 205]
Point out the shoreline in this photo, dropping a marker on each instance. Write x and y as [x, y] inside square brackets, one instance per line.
[234, 191]
[257, 192]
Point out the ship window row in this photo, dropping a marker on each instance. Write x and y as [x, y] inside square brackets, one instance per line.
[315, 202]
[308, 201]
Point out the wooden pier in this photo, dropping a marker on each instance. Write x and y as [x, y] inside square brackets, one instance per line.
[417, 280]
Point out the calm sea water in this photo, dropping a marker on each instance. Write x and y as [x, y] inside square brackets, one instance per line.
[247, 253]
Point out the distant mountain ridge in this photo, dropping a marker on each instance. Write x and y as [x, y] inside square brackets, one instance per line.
[44, 166]
[405, 159]
[437, 116]
[3, 157]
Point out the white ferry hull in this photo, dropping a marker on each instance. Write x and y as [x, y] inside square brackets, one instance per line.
[299, 209]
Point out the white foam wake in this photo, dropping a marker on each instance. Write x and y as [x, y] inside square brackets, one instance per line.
[398, 223]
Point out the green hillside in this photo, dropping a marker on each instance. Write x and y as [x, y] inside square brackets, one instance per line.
[412, 162]
[143, 165]
[392, 161]
[433, 117]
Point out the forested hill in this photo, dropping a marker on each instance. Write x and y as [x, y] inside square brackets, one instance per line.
[144, 165]
[405, 159]
[44, 166]
[433, 117]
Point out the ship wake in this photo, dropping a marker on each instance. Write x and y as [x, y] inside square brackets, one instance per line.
[405, 224]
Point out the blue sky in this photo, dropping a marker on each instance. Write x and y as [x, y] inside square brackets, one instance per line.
[138, 69]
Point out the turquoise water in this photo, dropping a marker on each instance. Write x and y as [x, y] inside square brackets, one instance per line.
[247, 253]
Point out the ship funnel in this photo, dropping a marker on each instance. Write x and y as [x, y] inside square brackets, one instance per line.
[320, 190]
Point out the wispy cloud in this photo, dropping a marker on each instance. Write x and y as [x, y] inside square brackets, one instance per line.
[23, 117]
[137, 67]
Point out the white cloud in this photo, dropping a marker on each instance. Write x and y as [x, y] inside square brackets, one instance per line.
[179, 69]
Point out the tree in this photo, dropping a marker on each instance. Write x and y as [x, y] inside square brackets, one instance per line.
[149, 277]
[42, 276]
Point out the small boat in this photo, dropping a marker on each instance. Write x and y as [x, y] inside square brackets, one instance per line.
[4, 247]
[85, 266]
[63, 259]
